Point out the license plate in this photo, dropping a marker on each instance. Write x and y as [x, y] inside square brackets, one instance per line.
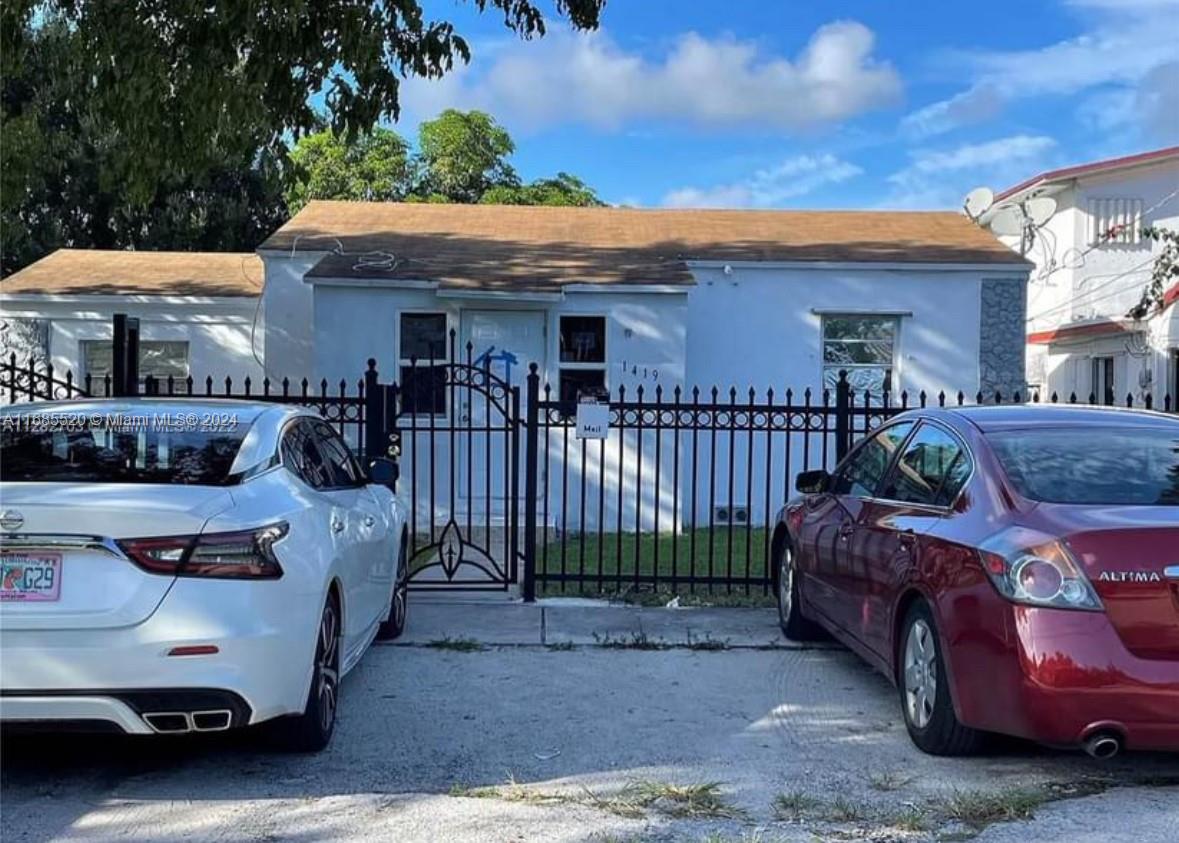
[30, 576]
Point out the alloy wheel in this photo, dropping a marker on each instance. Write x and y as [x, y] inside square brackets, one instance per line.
[327, 666]
[920, 674]
[400, 596]
[785, 586]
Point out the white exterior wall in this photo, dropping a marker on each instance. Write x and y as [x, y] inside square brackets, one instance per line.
[219, 331]
[288, 314]
[759, 326]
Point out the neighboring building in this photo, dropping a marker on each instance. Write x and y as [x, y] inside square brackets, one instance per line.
[1092, 265]
[197, 312]
[612, 297]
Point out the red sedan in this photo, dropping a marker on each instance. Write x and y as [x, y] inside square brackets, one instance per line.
[1011, 569]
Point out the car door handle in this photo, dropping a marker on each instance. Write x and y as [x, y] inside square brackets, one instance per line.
[337, 525]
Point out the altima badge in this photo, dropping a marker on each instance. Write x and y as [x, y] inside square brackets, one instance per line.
[1130, 576]
[11, 520]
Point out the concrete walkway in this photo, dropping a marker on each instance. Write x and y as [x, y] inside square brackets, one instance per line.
[565, 621]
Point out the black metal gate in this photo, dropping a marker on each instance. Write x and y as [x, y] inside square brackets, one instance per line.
[454, 427]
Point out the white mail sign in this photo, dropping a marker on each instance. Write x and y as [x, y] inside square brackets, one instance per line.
[593, 420]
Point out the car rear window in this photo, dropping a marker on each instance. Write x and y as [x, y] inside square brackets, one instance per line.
[1092, 465]
[75, 450]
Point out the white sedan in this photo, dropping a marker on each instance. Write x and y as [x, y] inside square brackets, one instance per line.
[181, 565]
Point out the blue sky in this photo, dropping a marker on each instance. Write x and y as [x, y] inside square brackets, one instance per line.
[810, 104]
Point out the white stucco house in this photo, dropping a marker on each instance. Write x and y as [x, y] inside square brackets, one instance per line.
[197, 311]
[612, 297]
[1092, 265]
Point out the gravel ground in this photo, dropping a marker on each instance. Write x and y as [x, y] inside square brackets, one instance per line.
[534, 743]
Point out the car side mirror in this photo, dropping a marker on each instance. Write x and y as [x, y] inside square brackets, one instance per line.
[812, 482]
[384, 472]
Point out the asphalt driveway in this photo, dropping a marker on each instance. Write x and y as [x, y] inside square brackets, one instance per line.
[497, 723]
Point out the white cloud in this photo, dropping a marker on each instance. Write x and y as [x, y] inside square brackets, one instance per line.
[716, 83]
[768, 187]
[939, 178]
[1124, 43]
[971, 106]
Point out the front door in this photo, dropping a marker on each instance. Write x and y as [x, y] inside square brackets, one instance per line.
[503, 342]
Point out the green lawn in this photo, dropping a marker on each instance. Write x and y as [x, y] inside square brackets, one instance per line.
[687, 554]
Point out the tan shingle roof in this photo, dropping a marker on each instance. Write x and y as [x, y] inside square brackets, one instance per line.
[523, 247]
[102, 272]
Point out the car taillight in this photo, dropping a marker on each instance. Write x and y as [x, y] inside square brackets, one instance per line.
[246, 554]
[1034, 569]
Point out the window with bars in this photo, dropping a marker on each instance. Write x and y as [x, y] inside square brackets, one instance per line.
[863, 345]
[422, 340]
[1115, 221]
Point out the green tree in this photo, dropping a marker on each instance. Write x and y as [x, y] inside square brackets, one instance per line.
[61, 164]
[462, 158]
[565, 189]
[173, 102]
[374, 166]
[461, 154]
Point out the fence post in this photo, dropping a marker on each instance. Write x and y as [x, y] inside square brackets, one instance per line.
[375, 434]
[842, 416]
[125, 355]
[531, 454]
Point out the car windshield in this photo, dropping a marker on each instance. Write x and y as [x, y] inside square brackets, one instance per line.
[1106, 465]
[92, 449]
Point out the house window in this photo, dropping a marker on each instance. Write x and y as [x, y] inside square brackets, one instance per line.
[1115, 222]
[583, 356]
[157, 359]
[865, 346]
[421, 339]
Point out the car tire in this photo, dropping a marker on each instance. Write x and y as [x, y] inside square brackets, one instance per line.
[392, 627]
[790, 617]
[926, 703]
[312, 730]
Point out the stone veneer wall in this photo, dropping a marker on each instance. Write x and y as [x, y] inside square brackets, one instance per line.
[1003, 336]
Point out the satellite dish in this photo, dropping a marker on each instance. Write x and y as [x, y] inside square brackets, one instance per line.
[1039, 210]
[978, 202]
[1008, 221]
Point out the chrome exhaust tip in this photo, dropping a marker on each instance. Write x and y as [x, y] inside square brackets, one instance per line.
[1103, 745]
[217, 720]
[168, 722]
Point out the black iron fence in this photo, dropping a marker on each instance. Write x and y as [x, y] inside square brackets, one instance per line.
[683, 493]
[342, 404]
[679, 496]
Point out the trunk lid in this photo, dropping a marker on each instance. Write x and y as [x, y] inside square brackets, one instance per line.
[72, 528]
[1126, 552]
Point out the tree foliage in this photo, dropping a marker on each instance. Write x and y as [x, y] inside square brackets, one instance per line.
[62, 172]
[462, 154]
[186, 82]
[460, 157]
[165, 122]
[1164, 272]
[562, 190]
[374, 167]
